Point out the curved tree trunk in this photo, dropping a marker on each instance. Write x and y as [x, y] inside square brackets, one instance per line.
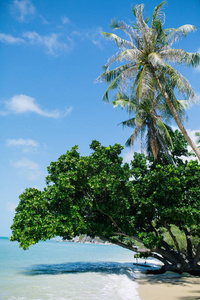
[176, 117]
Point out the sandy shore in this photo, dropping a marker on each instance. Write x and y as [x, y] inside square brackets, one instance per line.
[169, 286]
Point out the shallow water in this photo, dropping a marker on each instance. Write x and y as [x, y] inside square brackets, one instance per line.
[52, 270]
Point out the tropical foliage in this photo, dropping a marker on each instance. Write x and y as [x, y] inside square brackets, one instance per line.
[98, 195]
[145, 58]
[147, 120]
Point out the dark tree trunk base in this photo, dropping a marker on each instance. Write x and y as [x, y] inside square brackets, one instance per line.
[157, 271]
[194, 272]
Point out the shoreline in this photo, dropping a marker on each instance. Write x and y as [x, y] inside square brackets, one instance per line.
[168, 286]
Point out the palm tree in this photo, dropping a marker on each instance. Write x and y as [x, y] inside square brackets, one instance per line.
[148, 121]
[146, 55]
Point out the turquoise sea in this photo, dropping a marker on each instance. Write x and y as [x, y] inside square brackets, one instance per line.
[64, 270]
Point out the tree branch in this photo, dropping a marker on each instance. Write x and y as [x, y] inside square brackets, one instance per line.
[189, 243]
[172, 236]
[129, 236]
[160, 258]
[111, 218]
[117, 242]
[170, 255]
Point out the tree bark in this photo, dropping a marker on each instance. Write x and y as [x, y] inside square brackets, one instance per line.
[176, 117]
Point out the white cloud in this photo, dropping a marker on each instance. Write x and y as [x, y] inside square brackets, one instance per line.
[94, 35]
[22, 142]
[9, 39]
[67, 111]
[23, 9]
[28, 168]
[65, 20]
[127, 157]
[97, 38]
[21, 104]
[52, 43]
[44, 20]
[26, 145]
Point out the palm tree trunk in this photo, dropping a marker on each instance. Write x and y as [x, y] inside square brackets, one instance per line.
[176, 117]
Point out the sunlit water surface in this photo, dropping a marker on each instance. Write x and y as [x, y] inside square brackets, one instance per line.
[60, 270]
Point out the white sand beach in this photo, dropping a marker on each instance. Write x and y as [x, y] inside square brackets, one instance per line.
[169, 287]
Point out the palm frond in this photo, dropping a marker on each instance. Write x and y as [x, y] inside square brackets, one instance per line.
[180, 56]
[112, 86]
[140, 79]
[122, 100]
[129, 30]
[132, 55]
[130, 141]
[194, 60]
[180, 32]
[164, 130]
[143, 82]
[119, 41]
[129, 123]
[157, 13]
[139, 16]
[123, 103]
[140, 118]
[155, 59]
[115, 24]
[181, 83]
[126, 79]
[108, 76]
[115, 80]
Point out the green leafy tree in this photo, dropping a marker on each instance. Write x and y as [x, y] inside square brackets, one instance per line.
[145, 56]
[100, 196]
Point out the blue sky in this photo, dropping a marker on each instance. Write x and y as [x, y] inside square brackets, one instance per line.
[51, 54]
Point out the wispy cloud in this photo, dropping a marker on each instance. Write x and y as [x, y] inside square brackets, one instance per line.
[44, 20]
[27, 145]
[28, 168]
[22, 104]
[23, 9]
[65, 20]
[127, 157]
[9, 39]
[94, 35]
[52, 43]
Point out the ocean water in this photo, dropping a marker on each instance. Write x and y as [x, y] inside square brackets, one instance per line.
[63, 270]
